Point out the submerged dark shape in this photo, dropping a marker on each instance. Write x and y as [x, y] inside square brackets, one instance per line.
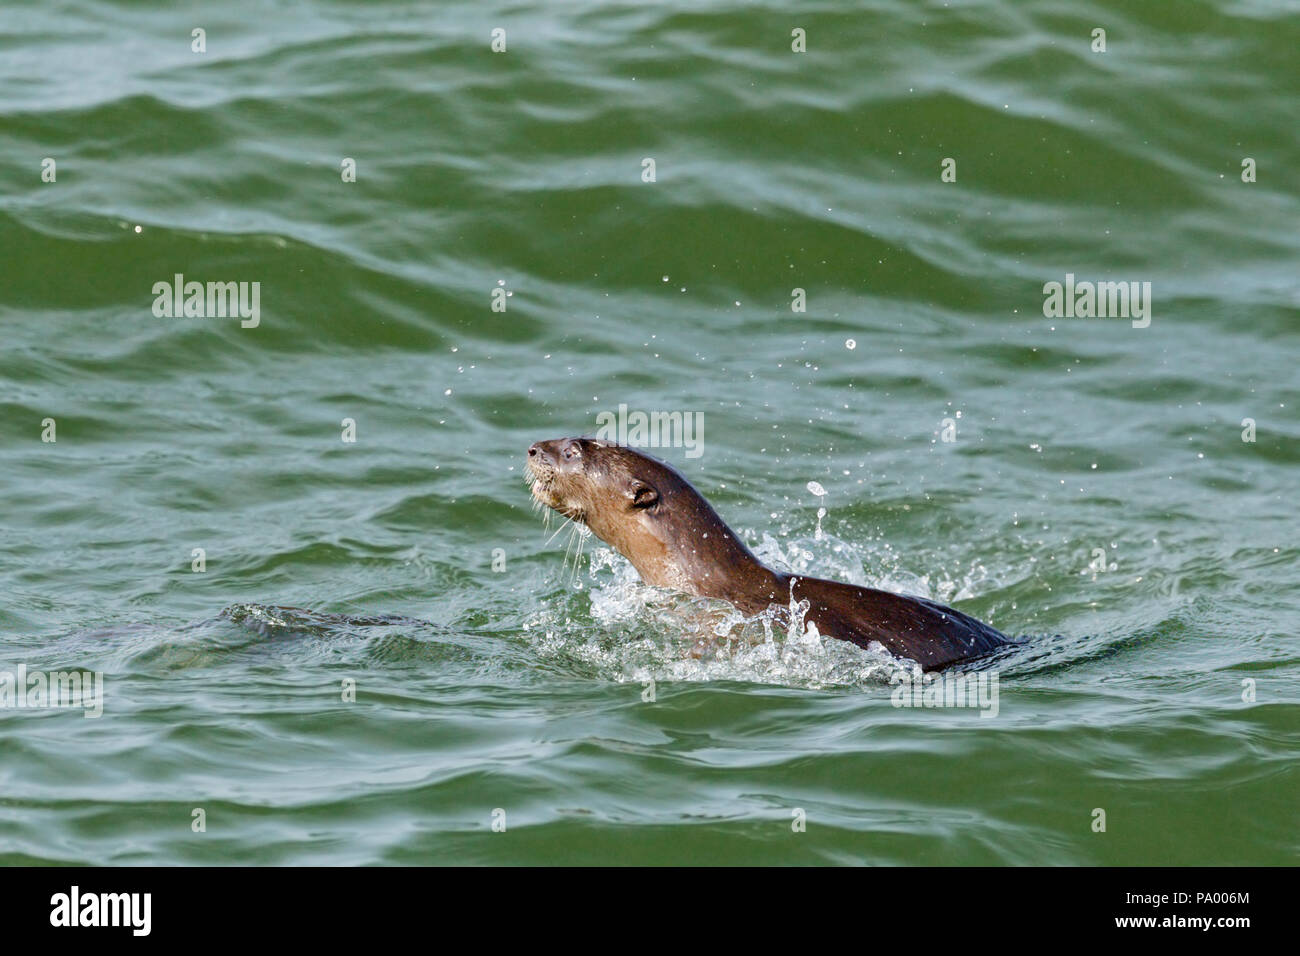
[650, 513]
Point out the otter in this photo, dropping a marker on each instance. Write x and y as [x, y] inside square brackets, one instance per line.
[647, 511]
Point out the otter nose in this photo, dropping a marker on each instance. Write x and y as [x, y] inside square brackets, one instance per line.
[541, 451]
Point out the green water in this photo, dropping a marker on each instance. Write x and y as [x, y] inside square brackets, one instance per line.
[522, 691]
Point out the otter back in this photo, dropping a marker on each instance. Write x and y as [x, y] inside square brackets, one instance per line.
[930, 634]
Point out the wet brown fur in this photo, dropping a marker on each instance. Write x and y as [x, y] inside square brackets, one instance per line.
[646, 510]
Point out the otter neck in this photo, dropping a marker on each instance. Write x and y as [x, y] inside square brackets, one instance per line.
[721, 566]
[755, 590]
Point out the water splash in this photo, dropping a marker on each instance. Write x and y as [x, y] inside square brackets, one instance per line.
[643, 633]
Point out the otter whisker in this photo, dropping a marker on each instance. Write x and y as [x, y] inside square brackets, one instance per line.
[567, 522]
[582, 534]
[568, 545]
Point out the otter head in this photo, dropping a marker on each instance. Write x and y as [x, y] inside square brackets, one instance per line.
[636, 504]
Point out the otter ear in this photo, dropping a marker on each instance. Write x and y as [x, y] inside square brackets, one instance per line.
[643, 496]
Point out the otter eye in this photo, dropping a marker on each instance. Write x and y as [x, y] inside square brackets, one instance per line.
[571, 451]
[643, 496]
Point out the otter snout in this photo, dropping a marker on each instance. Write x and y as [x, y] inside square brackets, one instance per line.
[539, 453]
[543, 460]
[552, 466]
[555, 452]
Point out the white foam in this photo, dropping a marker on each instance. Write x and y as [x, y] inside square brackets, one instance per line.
[644, 633]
